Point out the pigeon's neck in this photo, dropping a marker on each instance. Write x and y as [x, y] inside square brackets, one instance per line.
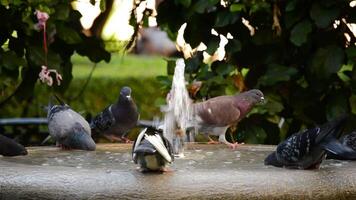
[243, 104]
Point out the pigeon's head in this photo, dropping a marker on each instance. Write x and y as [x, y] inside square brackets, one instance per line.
[255, 96]
[271, 159]
[125, 93]
[9, 147]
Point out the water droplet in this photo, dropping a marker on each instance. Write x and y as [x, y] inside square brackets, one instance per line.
[78, 167]
[45, 164]
[108, 171]
[228, 162]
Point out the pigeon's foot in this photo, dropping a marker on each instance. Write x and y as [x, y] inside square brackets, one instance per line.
[233, 145]
[126, 140]
[213, 142]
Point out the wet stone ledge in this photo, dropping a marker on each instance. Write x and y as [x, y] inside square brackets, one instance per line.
[207, 172]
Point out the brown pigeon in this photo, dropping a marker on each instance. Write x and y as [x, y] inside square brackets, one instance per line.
[217, 114]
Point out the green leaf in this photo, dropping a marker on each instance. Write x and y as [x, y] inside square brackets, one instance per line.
[300, 32]
[185, 3]
[62, 12]
[222, 68]
[291, 5]
[323, 17]
[327, 61]
[351, 53]
[213, 45]
[233, 46]
[352, 101]
[337, 104]
[202, 5]
[102, 5]
[276, 73]
[171, 64]
[225, 18]
[237, 7]
[67, 34]
[4, 2]
[254, 135]
[11, 61]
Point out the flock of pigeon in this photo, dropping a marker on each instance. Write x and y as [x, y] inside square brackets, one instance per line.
[153, 152]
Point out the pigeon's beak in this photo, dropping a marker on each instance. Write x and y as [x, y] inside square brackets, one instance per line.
[128, 96]
[262, 100]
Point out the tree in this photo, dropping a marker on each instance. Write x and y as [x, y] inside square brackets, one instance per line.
[24, 50]
[300, 53]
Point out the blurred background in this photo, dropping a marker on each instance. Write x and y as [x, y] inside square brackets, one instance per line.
[301, 54]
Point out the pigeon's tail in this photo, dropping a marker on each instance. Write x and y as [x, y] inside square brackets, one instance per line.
[59, 100]
[335, 150]
[271, 159]
[332, 130]
[46, 139]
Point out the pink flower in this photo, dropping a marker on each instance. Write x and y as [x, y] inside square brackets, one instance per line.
[42, 18]
[45, 77]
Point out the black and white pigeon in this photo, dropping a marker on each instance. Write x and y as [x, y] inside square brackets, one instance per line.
[152, 151]
[307, 149]
[9, 147]
[347, 148]
[68, 128]
[116, 120]
[216, 115]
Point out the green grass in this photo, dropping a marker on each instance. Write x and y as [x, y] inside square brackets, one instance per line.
[120, 66]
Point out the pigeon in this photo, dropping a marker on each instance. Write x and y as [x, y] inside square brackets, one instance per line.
[8, 147]
[116, 120]
[347, 146]
[152, 151]
[307, 149]
[217, 114]
[69, 129]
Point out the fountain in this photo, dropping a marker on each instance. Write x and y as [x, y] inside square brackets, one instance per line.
[206, 172]
[178, 112]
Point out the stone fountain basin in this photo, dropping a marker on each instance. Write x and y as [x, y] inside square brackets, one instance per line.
[206, 172]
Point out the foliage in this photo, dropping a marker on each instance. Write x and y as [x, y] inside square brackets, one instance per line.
[22, 53]
[88, 104]
[297, 54]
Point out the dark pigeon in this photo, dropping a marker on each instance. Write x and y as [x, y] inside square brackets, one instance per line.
[69, 129]
[306, 149]
[216, 115]
[9, 147]
[152, 151]
[116, 120]
[347, 149]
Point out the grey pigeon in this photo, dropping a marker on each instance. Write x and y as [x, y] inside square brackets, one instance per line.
[307, 149]
[116, 120]
[347, 149]
[68, 128]
[152, 151]
[9, 147]
[217, 114]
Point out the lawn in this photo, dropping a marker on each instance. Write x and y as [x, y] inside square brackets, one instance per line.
[120, 66]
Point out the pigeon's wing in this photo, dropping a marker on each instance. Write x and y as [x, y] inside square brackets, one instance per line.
[218, 111]
[137, 143]
[103, 121]
[157, 142]
[168, 146]
[291, 151]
